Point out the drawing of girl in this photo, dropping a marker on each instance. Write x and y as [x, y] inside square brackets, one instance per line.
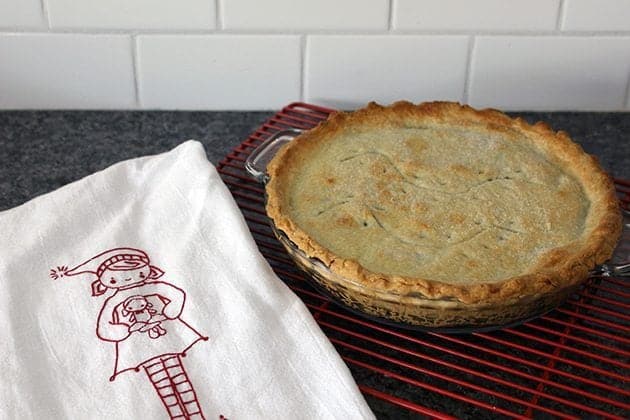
[141, 317]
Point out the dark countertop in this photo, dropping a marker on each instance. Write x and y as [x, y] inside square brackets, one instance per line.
[43, 150]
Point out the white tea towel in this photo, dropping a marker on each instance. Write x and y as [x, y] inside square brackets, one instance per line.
[139, 293]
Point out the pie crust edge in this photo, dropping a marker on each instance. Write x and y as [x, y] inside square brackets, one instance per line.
[557, 268]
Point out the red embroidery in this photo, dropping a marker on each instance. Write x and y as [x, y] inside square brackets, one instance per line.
[140, 313]
[142, 318]
[59, 272]
[170, 381]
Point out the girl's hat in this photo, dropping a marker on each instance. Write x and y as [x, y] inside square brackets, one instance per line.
[117, 259]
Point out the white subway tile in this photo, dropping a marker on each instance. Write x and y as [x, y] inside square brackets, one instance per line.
[597, 15]
[348, 71]
[550, 73]
[305, 14]
[66, 71]
[132, 14]
[501, 15]
[218, 71]
[21, 14]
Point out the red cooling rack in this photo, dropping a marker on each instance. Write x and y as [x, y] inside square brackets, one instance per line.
[573, 362]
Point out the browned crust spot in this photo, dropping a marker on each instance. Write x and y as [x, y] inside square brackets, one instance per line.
[558, 268]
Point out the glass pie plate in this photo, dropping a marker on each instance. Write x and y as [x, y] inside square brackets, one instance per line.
[413, 310]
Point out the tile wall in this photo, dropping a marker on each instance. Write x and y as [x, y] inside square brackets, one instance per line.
[252, 54]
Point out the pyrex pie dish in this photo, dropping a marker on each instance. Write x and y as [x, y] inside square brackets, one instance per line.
[405, 306]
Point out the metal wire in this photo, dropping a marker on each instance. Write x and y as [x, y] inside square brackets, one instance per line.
[571, 363]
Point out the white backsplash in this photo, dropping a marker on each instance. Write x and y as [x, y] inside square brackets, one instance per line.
[252, 54]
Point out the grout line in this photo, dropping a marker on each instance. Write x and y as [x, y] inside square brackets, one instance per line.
[100, 31]
[561, 15]
[390, 16]
[136, 69]
[469, 58]
[303, 61]
[218, 11]
[45, 13]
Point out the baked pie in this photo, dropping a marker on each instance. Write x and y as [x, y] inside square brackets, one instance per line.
[440, 215]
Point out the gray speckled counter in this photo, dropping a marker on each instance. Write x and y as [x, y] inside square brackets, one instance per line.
[41, 151]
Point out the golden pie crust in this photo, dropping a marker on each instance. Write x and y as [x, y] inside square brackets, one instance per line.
[445, 202]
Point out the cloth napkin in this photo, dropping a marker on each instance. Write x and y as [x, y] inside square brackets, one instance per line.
[139, 293]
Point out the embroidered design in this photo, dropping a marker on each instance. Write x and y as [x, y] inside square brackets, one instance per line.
[59, 272]
[141, 316]
[170, 381]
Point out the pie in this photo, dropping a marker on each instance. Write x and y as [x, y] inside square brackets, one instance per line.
[439, 214]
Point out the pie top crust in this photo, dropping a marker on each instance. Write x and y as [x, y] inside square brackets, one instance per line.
[443, 201]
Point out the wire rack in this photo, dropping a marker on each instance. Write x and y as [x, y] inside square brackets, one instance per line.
[573, 362]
